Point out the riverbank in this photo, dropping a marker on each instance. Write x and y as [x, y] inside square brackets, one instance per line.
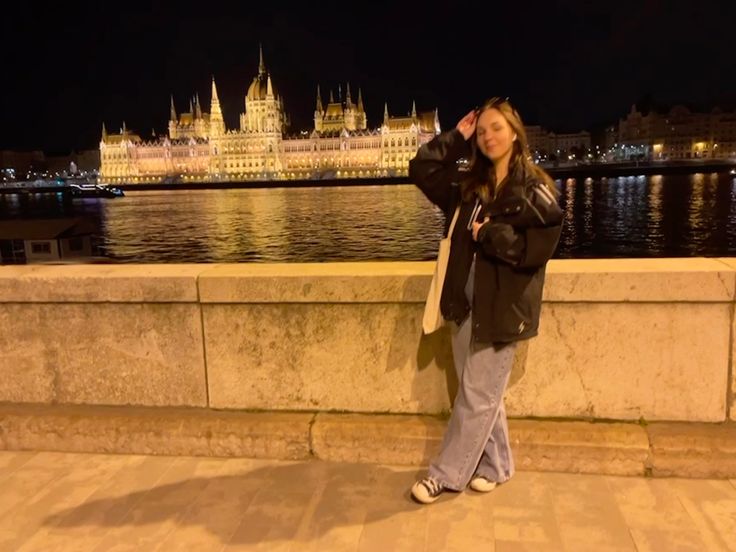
[595, 170]
[635, 169]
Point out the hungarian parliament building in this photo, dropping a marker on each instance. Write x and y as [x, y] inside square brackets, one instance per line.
[199, 147]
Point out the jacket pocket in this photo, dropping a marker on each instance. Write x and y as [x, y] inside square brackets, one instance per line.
[522, 313]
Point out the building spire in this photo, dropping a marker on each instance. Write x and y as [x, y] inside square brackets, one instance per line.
[104, 132]
[125, 129]
[217, 125]
[339, 93]
[172, 115]
[269, 86]
[319, 100]
[332, 98]
[360, 101]
[385, 112]
[347, 95]
[413, 109]
[214, 91]
[261, 65]
[197, 106]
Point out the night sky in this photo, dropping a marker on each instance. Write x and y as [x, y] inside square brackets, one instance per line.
[568, 65]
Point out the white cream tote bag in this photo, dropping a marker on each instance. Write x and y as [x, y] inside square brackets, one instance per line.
[433, 320]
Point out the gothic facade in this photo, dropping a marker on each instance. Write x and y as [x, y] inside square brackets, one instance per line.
[199, 147]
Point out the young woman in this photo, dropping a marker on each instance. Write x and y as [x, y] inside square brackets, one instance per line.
[508, 227]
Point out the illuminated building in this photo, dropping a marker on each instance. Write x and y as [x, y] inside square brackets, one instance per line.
[678, 134]
[199, 146]
[543, 143]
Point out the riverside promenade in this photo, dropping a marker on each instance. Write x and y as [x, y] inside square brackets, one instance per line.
[276, 373]
[55, 501]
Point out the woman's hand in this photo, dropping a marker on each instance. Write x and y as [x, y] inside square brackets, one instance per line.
[466, 126]
[477, 226]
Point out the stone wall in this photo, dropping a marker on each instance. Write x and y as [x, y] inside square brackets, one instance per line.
[619, 339]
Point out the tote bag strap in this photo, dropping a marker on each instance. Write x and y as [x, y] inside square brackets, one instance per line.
[454, 220]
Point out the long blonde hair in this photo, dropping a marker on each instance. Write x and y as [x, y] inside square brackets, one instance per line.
[481, 181]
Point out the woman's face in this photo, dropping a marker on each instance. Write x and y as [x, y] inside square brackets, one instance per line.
[494, 134]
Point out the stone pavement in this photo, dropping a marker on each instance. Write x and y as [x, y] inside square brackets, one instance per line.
[71, 501]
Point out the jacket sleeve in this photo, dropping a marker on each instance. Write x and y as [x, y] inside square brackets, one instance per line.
[528, 238]
[434, 167]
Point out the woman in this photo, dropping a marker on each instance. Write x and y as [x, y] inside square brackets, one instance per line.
[507, 229]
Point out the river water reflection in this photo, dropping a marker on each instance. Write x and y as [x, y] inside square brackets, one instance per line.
[656, 216]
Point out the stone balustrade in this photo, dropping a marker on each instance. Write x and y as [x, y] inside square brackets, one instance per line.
[623, 339]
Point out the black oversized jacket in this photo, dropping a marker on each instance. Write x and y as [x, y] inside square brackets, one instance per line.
[511, 252]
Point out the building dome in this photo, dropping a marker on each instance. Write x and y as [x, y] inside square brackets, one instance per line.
[258, 89]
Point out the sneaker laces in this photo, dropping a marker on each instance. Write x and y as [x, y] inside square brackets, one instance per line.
[433, 486]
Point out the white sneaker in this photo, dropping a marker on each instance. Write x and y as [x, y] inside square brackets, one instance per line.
[482, 485]
[427, 490]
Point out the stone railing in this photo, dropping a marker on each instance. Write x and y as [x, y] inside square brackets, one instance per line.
[619, 339]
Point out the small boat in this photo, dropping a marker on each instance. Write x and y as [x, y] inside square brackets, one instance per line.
[74, 187]
[95, 190]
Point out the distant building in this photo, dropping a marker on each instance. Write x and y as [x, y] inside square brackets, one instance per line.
[86, 161]
[45, 240]
[22, 165]
[569, 142]
[610, 137]
[538, 138]
[16, 164]
[199, 147]
[543, 143]
[678, 134]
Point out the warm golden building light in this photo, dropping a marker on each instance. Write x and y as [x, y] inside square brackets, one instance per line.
[198, 147]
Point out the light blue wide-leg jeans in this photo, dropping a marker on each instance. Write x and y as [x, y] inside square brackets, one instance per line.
[476, 439]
